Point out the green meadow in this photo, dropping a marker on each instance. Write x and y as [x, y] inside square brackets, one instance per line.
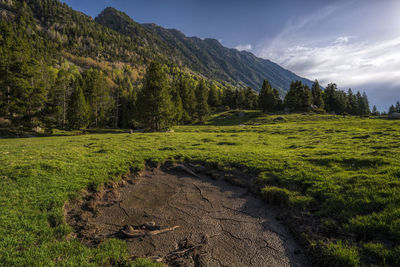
[338, 178]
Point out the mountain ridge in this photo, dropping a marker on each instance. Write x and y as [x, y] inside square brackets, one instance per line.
[206, 56]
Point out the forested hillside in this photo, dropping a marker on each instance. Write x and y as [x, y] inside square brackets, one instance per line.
[61, 69]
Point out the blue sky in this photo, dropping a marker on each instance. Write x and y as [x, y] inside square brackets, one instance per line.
[354, 43]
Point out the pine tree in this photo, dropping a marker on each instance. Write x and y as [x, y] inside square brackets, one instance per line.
[398, 106]
[375, 111]
[317, 95]
[155, 106]
[392, 109]
[229, 98]
[98, 94]
[240, 99]
[353, 104]
[177, 103]
[299, 97]
[268, 99]
[186, 90]
[78, 110]
[365, 109]
[331, 98]
[60, 94]
[128, 102]
[214, 100]
[363, 104]
[202, 108]
[251, 98]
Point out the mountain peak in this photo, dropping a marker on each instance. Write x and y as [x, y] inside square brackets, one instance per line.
[205, 56]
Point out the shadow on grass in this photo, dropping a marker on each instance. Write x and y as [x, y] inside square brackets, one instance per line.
[233, 117]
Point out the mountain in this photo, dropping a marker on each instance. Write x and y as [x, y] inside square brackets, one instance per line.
[207, 56]
[113, 38]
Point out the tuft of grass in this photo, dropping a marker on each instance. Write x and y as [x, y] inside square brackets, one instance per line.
[340, 254]
[282, 196]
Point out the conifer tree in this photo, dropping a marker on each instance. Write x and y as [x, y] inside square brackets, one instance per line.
[177, 103]
[330, 98]
[240, 99]
[251, 98]
[392, 109]
[98, 94]
[317, 95]
[375, 111]
[202, 109]
[155, 105]
[398, 106]
[299, 97]
[364, 106]
[268, 99]
[352, 103]
[78, 110]
[214, 100]
[127, 117]
[278, 100]
[229, 98]
[186, 90]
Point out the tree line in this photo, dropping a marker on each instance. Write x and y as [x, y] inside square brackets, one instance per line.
[301, 98]
[33, 94]
[394, 108]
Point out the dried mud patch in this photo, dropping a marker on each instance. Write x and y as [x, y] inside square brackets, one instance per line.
[210, 219]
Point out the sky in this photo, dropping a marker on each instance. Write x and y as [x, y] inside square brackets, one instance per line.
[353, 43]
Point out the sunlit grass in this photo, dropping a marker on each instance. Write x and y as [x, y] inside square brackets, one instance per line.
[344, 172]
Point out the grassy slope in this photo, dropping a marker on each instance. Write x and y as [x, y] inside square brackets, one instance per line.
[341, 172]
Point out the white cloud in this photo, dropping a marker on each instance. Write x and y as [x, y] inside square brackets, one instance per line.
[342, 40]
[348, 64]
[370, 64]
[242, 47]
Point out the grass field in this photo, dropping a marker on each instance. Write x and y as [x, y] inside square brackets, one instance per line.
[339, 176]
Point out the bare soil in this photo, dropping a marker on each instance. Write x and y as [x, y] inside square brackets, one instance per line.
[220, 223]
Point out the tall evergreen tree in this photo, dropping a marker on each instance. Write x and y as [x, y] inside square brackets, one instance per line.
[202, 109]
[398, 106]
[186, 90]
[214, 100]
[331, 98]
[128, 102]
[78, 110]
[155, 105]
[240, 99]
[392, 109]
[375, 111]
[251, 98]
[317, 95]
[98, 94]
[229, 98]
[352, 103]
[365, 109]
[268, 99]
[177, 103]
[299, 97]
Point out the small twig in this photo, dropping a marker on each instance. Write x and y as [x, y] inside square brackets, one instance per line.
[141, 233]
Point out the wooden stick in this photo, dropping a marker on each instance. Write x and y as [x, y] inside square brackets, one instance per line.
[156, 232]
[141, 233]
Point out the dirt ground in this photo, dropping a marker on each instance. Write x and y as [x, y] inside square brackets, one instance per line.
[220, 224]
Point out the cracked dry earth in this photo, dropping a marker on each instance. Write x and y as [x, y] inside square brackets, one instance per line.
[219, 224]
